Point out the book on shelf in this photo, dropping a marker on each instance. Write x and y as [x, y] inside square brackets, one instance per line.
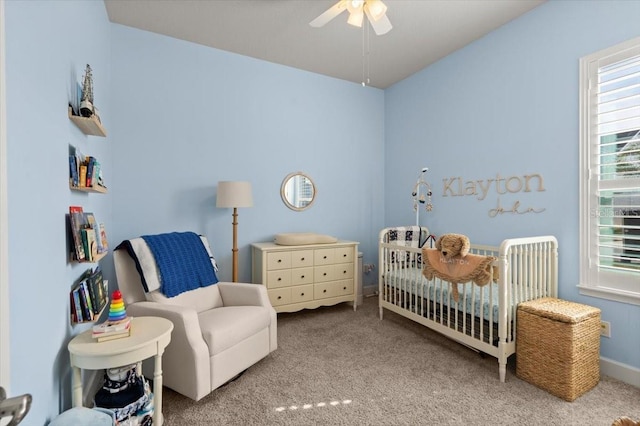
[88, 296]
[76, 222]
[89, 243]
[83, 176]
[97, 290]
[73, 171]
[84, 287]
[76, 313]
[99, 230]
[91, 222]
[103, 237]
[87, 314]
[89, 162]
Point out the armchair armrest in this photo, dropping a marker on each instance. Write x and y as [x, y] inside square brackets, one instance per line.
[186, 358]
[243, 294]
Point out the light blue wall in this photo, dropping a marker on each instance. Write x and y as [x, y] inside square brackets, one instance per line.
[189, 116]
[48, 45]
[508, 104]
[181, 117]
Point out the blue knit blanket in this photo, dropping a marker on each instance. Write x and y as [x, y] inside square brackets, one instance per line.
[182, 260]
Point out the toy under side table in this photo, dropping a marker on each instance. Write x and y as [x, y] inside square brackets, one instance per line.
[149, 337]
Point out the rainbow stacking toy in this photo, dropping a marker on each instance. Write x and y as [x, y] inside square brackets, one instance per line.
[117, 311]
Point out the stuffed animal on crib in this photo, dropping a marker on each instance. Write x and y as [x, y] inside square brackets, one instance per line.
[452, 245]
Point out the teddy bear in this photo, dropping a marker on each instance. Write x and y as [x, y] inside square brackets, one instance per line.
[451, 261]
[452, 245]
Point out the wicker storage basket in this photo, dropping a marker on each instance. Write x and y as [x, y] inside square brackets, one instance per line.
[558, 346]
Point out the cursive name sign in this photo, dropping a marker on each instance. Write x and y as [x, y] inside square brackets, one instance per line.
[480, 188]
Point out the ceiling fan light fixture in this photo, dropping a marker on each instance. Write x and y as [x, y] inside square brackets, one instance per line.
[377, 9]
[356, 18]
[354, 6]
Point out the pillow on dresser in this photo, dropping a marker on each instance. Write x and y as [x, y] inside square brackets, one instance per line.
[302, 238]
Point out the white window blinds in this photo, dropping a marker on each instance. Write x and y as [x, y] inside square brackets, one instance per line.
[610, 144]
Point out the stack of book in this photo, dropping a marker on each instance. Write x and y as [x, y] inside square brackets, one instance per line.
[84, 171]
[89, 238]
[109, 331]
[89, 296]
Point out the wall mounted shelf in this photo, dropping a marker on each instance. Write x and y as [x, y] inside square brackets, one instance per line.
[88, 125]
[100, 189]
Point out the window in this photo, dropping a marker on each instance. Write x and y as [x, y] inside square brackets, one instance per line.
[610, 173]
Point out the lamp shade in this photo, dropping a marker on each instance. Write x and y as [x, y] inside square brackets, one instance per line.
[234, 194]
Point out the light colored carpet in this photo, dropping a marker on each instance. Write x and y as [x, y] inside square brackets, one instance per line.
[335, 366]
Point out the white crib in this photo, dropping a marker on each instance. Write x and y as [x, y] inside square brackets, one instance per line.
[483, 318]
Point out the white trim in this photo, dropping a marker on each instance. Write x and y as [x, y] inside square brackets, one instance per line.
[619, 371]
[594, 282]
[4, 226]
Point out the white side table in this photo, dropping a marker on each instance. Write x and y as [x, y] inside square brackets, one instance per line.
[149, 336]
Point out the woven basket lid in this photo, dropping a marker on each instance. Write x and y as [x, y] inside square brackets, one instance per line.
[559, 310]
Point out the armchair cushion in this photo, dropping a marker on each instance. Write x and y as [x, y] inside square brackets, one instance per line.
[225, 327]
[200, 299]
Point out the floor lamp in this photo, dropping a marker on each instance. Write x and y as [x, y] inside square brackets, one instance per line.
[234, 194]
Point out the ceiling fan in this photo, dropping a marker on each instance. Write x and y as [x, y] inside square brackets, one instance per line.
[375, 10]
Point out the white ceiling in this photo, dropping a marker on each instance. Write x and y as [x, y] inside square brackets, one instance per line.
[278, 31]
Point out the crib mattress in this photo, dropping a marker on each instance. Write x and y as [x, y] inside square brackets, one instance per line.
[481, 301]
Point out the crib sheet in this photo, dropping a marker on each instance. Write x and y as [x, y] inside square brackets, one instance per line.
[482, 301]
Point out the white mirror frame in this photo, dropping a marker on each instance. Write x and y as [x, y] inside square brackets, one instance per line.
[286, 196]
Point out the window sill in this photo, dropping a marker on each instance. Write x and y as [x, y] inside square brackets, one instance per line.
[610, 294]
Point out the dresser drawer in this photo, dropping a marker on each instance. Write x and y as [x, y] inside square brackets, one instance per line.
[344, 254]
[342, 271]
[279, 278]
[343, 287]
[324, 256]
[324, 290]
[301, 276]
[302, 293]
[278, 260]
[280, 296]
[301, 258]
[324, 273]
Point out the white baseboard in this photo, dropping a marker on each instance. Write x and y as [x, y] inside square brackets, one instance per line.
[619, 371]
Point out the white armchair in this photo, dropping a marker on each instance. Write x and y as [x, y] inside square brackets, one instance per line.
[219, 330]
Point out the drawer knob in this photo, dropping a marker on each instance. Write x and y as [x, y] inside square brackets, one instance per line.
[301, 294]
[279, 260]
[324, 291]
[344, 288]
[279, 279]
[301, 276]
[279, 297]
[302, 259]
[325, 274]
[344, 255]
[344, 272]
[324, 257]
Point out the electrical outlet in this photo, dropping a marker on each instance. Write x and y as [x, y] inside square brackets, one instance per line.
[605, 329]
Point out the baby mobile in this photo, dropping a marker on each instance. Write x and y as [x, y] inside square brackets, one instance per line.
[421, 195]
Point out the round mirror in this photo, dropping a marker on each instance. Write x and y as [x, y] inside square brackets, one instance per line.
[298, 191]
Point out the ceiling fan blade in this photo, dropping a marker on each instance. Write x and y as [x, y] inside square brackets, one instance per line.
[382, 25]
[329, 14]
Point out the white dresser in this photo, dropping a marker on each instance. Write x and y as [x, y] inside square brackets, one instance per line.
[306, 276]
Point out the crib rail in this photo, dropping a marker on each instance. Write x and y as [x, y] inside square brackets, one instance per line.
[484, 316]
